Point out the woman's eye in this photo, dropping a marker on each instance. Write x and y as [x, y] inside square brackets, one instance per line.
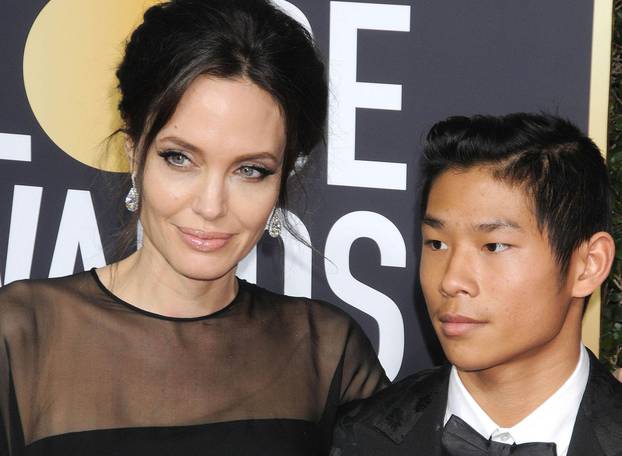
[496, 247]
[254, 172]
[174, 158]
[437, 245]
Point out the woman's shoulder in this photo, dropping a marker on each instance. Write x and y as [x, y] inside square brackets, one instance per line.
[23, 301]
[313, 310]
[333, 331]
[28, 288]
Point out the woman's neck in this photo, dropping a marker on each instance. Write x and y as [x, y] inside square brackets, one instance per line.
[146, 280]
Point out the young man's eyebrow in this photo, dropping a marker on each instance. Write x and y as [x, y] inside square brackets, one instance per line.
[493, 225]
[486, 227]
[432, 222]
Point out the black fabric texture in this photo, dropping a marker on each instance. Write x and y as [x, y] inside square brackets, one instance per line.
[407, 418]
[82, 372]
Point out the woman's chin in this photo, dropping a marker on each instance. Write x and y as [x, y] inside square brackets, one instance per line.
[203, 272]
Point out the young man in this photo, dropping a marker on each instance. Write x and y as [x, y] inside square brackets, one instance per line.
[515, 214]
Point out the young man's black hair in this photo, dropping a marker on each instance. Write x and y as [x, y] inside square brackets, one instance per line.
[556, 164]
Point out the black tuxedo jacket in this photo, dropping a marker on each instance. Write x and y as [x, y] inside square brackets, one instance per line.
[407, 418]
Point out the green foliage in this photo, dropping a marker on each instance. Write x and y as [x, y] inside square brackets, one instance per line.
[611, 327]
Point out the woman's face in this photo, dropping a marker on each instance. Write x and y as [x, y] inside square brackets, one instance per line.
[212, 176]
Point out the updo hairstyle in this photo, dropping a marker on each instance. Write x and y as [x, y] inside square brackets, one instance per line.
[181, 40]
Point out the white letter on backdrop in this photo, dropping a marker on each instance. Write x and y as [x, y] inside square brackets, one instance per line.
[18, 148]
[15, 147]
[78, 229]
[22, 233]
[381, 230]
[346, 19]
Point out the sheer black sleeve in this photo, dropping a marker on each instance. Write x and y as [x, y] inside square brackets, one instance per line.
[15, 330]
[362, 373]
[357, 373]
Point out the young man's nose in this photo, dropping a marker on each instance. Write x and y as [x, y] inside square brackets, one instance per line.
[459, 275]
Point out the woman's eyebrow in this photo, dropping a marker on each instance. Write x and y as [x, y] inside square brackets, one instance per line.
[246, 156]
[181, 143]
[259, 155]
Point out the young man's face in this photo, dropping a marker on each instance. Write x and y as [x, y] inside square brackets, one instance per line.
[490, 280]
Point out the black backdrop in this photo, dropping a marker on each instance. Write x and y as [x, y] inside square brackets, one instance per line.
[410, 64]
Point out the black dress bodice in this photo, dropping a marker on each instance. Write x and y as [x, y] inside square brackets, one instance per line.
[85, 373]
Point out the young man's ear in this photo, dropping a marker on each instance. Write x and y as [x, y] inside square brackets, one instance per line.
[592, 264]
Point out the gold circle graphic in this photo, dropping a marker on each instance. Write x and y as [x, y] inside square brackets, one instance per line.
[70, 58]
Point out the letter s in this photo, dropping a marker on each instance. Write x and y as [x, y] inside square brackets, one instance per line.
[392, 253]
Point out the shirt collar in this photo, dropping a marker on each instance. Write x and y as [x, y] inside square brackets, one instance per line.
[552, 421]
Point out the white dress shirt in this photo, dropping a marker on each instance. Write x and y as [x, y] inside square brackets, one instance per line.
[553, 421]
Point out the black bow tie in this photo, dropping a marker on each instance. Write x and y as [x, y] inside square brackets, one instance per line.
[460, 439]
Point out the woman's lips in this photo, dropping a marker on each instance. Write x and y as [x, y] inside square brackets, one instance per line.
[204, 241]
[453, 325]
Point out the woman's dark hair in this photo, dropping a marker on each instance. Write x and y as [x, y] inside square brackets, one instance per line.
[558, 167]
[181, 40]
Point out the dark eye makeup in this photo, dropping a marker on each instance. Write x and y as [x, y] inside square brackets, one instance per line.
[251, 170]
[174, 157]
[178, 159]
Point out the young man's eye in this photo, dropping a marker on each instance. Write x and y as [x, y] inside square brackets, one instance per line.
[435, 244]
[254, 172]
[496, 247]
[175, 158]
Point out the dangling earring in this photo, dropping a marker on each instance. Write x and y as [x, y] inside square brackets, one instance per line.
[131, 200]
[275, 225]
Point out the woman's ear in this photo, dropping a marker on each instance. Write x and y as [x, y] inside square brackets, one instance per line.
[130, 153]
[593, 261]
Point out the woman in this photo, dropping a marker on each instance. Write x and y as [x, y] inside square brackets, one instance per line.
[166, 352]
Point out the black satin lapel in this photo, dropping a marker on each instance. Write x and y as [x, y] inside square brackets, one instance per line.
[416, 423]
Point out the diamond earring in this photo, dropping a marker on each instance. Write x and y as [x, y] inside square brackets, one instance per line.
[131, 200]
[275, 225]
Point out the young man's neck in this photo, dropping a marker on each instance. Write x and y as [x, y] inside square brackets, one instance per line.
[508, 393]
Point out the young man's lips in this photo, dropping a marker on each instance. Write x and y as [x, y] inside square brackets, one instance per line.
[204, 241]
[453, 325]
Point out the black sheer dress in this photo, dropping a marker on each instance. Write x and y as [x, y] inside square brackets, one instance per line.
[84, 373]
